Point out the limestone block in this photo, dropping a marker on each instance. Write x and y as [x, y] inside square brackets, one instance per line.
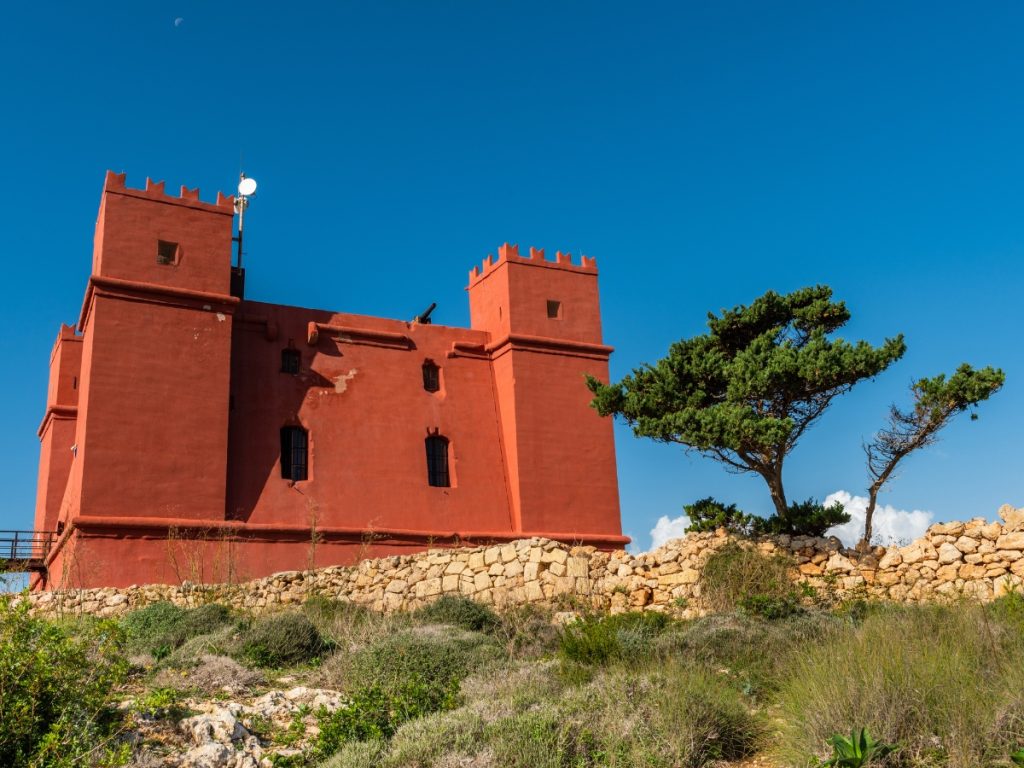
[810, 569]
[533, 592]
[557, 569]
[513, 569]
[482, 581]
[947, 572]
[839, 563]
[578, 566]
[891, 559]
[492, 555]
[555, 556]
[947, 529]
[949, 554]
[1013, 519]
[1014, 540]
[508, 553]
[455, 567]
[476, 561]
[966, 544]
[450, 583]
[991, 531]
[531, 571]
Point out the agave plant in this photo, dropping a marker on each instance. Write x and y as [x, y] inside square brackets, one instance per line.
[857, 751]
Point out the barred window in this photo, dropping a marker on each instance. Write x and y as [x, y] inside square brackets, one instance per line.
[437, 461]
[290, 360]
[294, 453]
[431, 376]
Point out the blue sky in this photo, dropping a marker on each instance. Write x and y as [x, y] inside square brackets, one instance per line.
[703, 152]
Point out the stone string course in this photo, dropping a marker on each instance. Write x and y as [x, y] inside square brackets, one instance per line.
[976, 559]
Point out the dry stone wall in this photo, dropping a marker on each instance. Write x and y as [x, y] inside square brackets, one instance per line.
[976, 559]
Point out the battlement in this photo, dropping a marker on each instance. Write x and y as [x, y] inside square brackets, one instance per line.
[154, 190]
[510, 253]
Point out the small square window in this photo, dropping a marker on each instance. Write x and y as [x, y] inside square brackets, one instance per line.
[166, 252]
[554, 309]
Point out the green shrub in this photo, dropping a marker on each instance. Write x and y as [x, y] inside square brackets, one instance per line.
[282, 639]
[154, 629]
[672, 717]
[160, 628]
[374, 713]
[602, 639]
[945, 683]
[771, 607]
[734, 573]
[459, 611]
[410, 656]
[804, 518]
[709, 514]
[54, 688]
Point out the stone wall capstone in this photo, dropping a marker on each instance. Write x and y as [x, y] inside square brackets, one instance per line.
[976, 559]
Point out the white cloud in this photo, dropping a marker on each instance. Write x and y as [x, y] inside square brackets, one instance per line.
[890, 525]
[666, 529]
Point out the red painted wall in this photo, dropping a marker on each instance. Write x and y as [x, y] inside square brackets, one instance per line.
[181, 398]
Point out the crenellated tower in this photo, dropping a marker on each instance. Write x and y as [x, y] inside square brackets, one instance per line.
[155, 362]
[544, 322]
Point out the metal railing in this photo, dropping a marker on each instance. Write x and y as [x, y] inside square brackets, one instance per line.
[25, 550]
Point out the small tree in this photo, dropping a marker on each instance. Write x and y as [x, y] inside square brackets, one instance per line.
[936, 402]
[746, 391]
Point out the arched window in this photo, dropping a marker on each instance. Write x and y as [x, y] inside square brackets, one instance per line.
[290, 359]
[294, 453]
[431, 376]
[437, 462]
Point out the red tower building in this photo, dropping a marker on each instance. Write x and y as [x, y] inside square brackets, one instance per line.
[193, 435]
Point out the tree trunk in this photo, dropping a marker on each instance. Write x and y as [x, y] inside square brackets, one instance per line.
[774, 479]
[869, 513]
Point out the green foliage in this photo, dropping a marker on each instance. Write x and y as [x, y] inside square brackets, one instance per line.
[750, 653]
[459, 611]
[161, 703]
[943, 682]
[373, 712]
[806, 518]
[1017, 758]
[603, 639]
[282, 639]
[391, 661]
[771, 607]
[709, 514]
[54, 688]
[734, 573]
[160, 628]
[153, 629]
[745, 392]
[936, 401]
[672, 716]
[858, 751]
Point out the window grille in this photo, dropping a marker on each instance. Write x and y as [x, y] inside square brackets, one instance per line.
[437, 462]
[431, 376]
[294, 453]
[290, 360]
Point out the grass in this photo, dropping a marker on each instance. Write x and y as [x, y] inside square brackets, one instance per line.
[945, 683]
[458, 684]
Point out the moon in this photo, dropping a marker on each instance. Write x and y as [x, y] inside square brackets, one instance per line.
[179, 21]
